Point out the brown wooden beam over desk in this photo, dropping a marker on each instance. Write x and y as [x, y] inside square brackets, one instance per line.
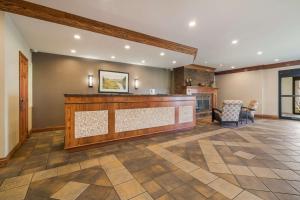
[37, 11]
[93, 119]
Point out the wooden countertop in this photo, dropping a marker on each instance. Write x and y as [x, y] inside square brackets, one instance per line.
[120, 98]
[120, 94]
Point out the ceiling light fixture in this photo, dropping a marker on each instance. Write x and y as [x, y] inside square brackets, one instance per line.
[232, 67]
[127, 47]
[260, 53]
[77, 37]
[174, 61]
[234, 41]
[277, 60]
[143, 61]
[73, 51]
[192, 23]
[113, 57]
[162, 54]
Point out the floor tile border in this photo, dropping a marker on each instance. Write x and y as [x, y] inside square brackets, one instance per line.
[198, 173]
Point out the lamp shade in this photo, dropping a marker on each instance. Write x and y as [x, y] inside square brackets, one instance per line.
[90, 81]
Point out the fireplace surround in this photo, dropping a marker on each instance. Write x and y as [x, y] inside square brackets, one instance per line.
[206, 98]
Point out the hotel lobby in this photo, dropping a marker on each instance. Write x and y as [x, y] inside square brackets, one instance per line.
[149, 100]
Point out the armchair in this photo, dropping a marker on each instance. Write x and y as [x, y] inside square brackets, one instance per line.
[249, 111]
[230, 112]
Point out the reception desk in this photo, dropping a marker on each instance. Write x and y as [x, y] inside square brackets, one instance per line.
[96, 118]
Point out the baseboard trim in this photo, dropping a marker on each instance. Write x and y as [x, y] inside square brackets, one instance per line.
[4, 160]
[46, 129]
[261, 116]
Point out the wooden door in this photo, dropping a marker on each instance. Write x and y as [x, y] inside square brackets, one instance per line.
[23, 98]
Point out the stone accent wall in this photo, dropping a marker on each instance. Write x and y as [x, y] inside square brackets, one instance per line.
[198, 76]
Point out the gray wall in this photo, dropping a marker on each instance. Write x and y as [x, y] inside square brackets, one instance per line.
[55, 75]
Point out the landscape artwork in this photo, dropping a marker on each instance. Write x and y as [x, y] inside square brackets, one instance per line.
[113, 82]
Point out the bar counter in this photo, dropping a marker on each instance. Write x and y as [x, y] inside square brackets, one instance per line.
[97, 118]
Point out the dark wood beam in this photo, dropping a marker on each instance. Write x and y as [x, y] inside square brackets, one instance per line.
[36, 11]
[260, 67]
[200, 67]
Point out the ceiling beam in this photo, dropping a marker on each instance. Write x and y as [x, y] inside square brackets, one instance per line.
[260, 67]
[36, 11]
[200, 68]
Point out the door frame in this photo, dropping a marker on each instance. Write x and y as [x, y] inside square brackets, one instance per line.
[282, 74]
[294, 93]
[21, 139]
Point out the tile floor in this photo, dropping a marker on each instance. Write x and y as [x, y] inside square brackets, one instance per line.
[258, 161]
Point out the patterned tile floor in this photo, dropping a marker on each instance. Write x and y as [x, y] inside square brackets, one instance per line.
[258, 161]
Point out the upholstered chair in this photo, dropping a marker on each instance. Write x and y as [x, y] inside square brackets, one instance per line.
[249, 111]
[230, 112]
[297, 107]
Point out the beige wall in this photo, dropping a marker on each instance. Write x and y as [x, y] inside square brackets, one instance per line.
[13, 43]
[2, 86]
[261, 85]
[55, 75]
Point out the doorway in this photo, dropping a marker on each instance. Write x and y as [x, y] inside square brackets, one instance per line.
[289, 94]
[23, 98]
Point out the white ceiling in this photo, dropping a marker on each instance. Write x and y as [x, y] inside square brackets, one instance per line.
[58, 39]
[271, 26]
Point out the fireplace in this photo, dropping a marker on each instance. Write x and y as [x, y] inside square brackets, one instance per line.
[203, 104]
[206, 98]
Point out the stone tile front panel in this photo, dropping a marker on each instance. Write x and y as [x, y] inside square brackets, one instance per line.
[91, 123]
[141, 118]
[185, 114]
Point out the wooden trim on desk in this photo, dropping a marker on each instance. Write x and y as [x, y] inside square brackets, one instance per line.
[4, 160]
[113, 103]
[89, 146]
[46, 129]
[260, 67]
[70, 109]
[60, 17]
[69, 99]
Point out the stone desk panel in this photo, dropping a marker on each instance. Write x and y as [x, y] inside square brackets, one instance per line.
[91, 123]
[141, 118]
[185, 114]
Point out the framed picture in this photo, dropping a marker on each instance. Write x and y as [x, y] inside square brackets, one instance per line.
[113, 82]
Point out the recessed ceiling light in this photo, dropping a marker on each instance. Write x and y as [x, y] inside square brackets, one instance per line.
[73, 51]
[277, 60]
[260, 53]
[113, 57]
[162, 53]
[143, 61]
[192, 23]
[127, 47]
[234, 41]
[77, 37]
[174, 61]
[232, 67]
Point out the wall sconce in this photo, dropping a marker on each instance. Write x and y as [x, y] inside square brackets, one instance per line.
[136, 84]
[90, 81]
